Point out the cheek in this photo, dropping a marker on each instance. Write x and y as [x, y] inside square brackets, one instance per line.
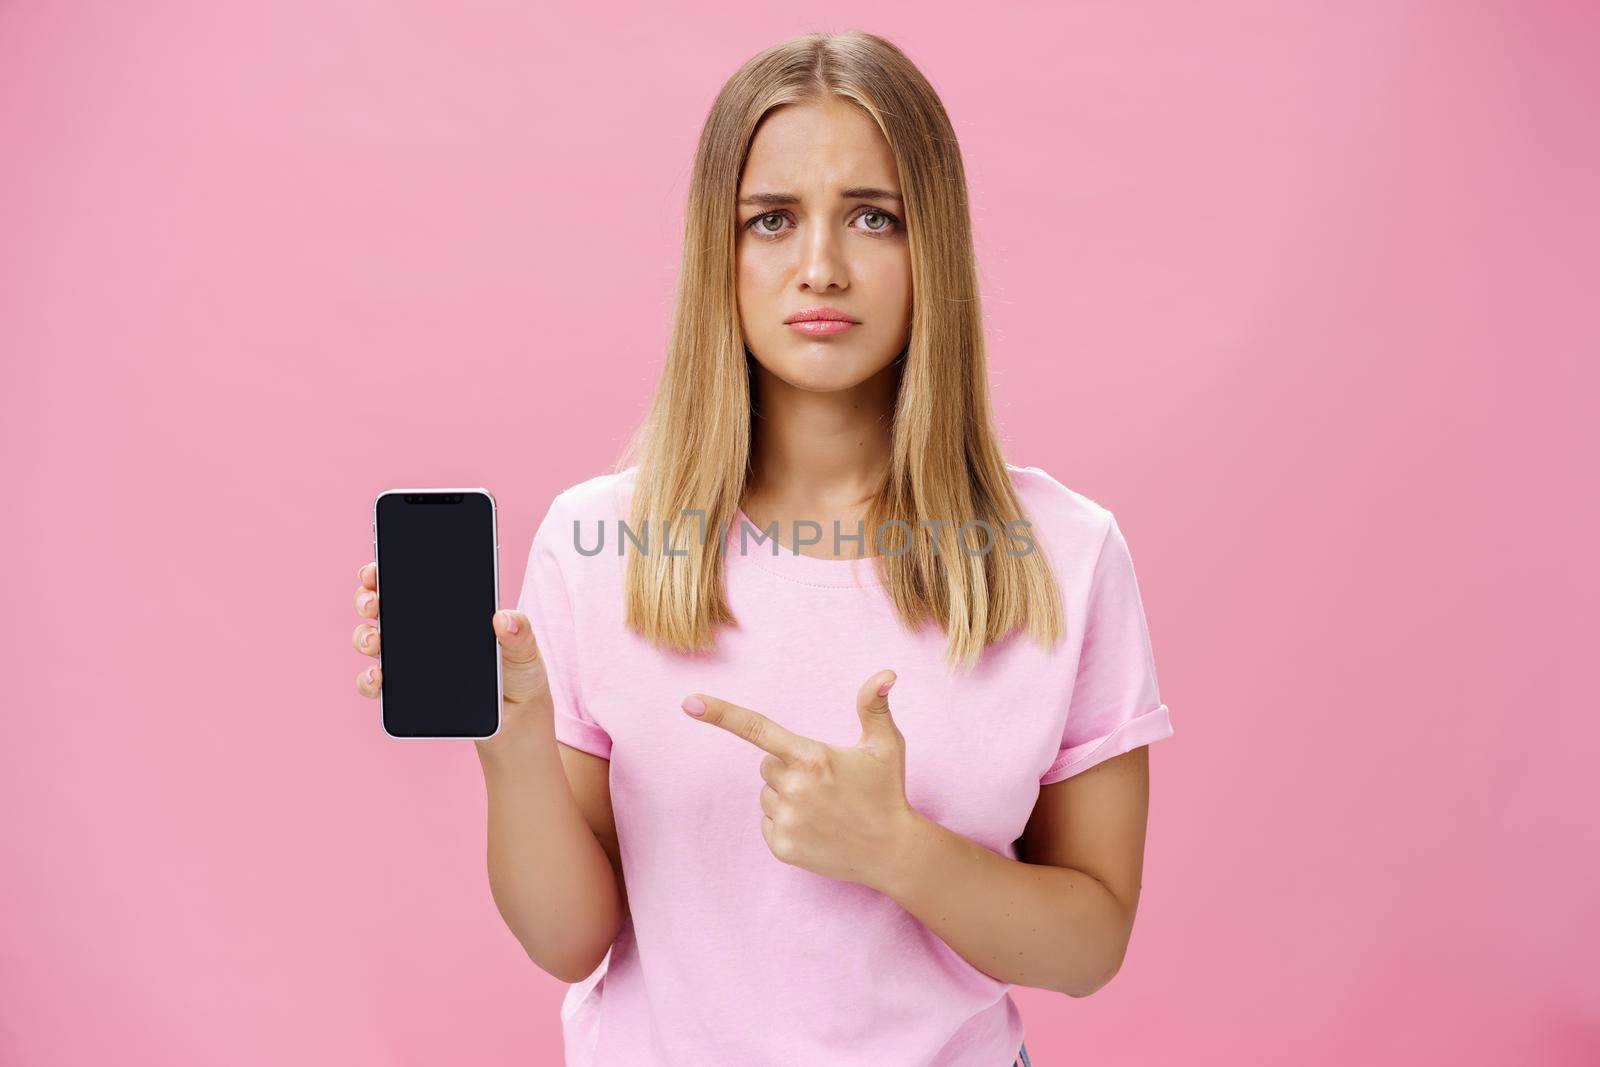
[753, 281]
[892, 290]
[759, 272]
[888, 260]
[902, 275]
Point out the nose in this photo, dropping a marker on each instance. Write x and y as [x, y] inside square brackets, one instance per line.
[821, 263]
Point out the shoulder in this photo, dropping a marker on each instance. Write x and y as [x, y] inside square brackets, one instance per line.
[579, 511]
[568, 543]
[1073, 528]
[1066, 516]
[603, 496]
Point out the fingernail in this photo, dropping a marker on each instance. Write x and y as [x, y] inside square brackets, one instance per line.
[366, 638]
[511, 624]
[372, 675]
[694, 705]
[883, 690]
[365, 599]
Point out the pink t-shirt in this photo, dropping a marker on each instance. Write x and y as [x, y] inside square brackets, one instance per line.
[729, 955]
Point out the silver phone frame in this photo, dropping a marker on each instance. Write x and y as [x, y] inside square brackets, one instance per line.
[499, 653]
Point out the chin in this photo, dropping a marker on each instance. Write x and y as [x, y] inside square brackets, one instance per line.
[840, 362]
[820, 381]
[825, 369]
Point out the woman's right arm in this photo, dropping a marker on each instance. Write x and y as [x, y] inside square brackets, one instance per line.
[554, 866]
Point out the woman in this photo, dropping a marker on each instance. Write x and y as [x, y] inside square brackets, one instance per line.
[799, 867]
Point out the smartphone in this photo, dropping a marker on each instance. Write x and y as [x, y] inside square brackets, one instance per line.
[438, 555]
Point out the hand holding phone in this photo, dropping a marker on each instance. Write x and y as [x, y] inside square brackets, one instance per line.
[451, 664]
[525, 691]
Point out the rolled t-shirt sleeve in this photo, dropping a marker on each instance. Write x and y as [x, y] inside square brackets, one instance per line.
[1116, 706]
[547, 599]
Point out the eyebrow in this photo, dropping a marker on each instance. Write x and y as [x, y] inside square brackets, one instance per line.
[856, 192]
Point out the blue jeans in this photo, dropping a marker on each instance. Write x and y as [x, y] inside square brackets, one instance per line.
[1022, 1057]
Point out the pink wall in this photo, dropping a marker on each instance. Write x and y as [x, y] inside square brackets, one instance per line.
[1295, 289]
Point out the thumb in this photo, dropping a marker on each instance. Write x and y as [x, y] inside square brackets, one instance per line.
[522, 669]
[872, 704]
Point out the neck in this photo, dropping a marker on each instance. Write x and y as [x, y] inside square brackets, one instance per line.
[818, 455]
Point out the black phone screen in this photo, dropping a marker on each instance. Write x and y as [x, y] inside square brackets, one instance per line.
[438, 590]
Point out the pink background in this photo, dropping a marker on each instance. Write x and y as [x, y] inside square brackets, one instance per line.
[1294, 289]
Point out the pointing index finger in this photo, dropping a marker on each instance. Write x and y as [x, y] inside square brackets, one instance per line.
[753, 726]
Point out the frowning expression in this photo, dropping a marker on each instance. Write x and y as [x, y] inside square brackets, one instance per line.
[823, 262]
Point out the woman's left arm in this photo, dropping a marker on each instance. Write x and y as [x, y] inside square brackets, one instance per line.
[1060, 916]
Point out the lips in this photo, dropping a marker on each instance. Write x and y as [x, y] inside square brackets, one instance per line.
[820, 314]
[822, 327]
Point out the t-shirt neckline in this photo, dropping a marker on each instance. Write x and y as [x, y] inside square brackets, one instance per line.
[809, 570]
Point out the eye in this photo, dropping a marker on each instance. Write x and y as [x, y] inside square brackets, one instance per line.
[756, 223]
[887, 223]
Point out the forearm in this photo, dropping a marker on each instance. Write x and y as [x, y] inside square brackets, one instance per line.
[1027, 924]
[550, 877]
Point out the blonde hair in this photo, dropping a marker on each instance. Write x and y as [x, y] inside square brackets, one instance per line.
[693, 448]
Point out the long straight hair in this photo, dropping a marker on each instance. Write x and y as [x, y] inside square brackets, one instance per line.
[693, 447]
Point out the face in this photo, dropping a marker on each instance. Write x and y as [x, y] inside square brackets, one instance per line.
[821, 226]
